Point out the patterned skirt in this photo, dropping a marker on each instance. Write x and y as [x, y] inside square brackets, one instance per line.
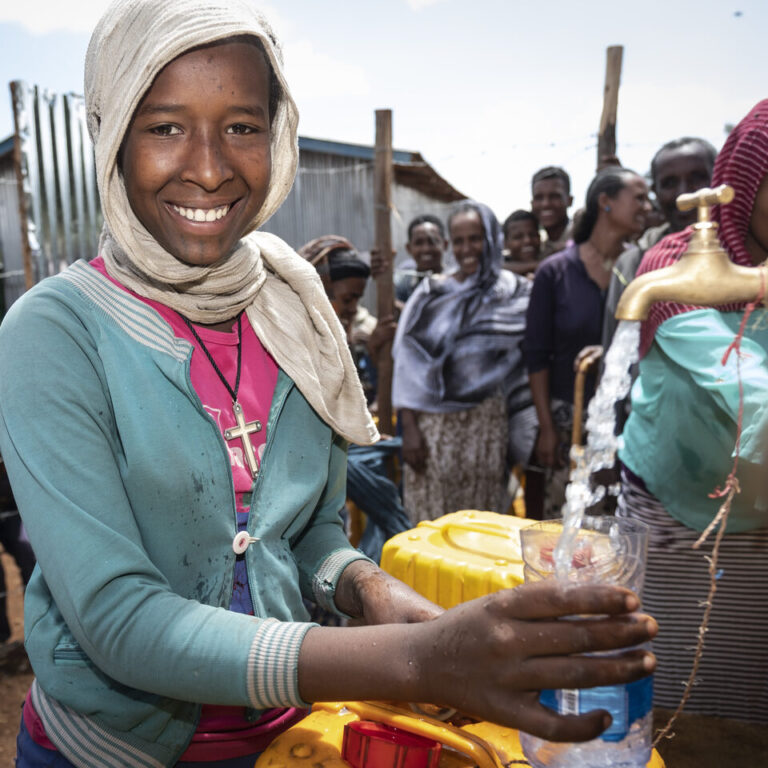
[466, 462]
[733, 675]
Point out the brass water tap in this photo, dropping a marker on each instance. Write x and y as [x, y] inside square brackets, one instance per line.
[704, 276]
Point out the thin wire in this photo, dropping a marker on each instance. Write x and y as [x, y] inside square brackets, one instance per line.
[729, 490]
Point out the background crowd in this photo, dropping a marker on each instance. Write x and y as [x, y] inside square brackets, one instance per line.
[485, 361]
[484, 381]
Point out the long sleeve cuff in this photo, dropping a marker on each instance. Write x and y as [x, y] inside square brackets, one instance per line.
[327, 577]
[273, 664]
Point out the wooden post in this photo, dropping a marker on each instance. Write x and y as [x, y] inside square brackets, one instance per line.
[606, 137]
[385, 304]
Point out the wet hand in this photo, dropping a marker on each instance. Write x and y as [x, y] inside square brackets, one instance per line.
[492, 656]
[368, 593]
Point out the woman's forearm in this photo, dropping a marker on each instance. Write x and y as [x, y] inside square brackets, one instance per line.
[489, 657]
[539, 383]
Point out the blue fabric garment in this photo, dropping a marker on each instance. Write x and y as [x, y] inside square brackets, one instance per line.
[377, 496]
[565, 314]
[32, 755]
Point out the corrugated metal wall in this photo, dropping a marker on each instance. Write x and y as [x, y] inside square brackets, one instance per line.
[61, 202]
[11, 264]
[332, 194]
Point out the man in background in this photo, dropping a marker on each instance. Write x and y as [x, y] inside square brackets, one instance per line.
[680, 166]
[550, 201]
[522, 243]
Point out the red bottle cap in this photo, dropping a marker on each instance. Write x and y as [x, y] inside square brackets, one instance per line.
[375, 745]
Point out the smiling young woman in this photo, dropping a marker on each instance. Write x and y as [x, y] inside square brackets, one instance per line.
[205, 394]
[196, 159]
[458, 379]
[565, 315]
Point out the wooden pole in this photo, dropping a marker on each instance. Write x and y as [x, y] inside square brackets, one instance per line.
[606, 137]
[382, 197]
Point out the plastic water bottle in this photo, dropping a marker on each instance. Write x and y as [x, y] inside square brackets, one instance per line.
[603, 550]
[625, 744]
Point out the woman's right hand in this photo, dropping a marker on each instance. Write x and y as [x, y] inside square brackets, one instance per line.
[545, 450]
[414, 447]
[489, 657]
[492, 656]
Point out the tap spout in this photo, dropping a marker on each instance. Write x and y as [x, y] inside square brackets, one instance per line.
[702, 281]
[703, 277]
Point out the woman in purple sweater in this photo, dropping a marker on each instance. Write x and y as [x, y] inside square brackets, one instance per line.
[565, 314]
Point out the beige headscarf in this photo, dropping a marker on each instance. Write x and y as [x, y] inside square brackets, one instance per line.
[279, 291]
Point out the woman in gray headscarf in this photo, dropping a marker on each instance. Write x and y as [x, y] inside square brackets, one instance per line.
[467, 412]
[175, 428]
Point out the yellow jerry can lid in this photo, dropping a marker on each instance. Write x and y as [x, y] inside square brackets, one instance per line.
[459, 556]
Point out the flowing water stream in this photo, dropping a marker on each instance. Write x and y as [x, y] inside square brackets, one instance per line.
[602, 444]
[612, 559]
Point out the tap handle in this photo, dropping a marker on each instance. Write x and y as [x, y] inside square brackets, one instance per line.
[704, 198]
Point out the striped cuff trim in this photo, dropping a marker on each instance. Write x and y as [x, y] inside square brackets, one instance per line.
[327, 577]
[83, 742]
[273, 664]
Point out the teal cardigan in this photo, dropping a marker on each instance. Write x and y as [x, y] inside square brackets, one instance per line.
[124, 485]
[681, 433]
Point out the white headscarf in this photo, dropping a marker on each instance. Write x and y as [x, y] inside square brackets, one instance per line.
[280, 292]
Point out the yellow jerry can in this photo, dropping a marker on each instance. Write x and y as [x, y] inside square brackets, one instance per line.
[458, 557]
[450, 560]
[316, 742]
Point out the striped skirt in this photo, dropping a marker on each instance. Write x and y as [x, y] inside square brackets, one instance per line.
[732, 680]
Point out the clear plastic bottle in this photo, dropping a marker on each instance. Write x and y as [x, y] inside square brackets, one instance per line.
[625, 744]
[605, 550]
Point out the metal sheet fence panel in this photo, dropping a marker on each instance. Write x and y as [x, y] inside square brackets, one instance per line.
[12, 283]
[58, 179]
[63, 179]
[80, 227]
[86, 223]
[49, 229]
[92, 205]
[25, 117]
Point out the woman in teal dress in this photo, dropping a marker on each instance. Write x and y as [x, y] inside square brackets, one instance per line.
[679, 446]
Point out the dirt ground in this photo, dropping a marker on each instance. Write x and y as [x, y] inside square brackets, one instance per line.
[15, 676]
[699, 742]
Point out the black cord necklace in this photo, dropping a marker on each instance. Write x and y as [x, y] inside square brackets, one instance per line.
[243, 428]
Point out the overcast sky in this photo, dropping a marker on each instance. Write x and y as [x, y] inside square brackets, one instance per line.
[487, 91]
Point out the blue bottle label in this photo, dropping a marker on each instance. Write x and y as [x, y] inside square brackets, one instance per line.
[625, 703]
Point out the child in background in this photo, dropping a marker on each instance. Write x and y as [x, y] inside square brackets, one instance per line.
[522, 243]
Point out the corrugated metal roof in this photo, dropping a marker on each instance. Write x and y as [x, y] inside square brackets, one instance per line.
[343, 149]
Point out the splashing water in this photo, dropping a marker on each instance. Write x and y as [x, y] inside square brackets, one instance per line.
[602, 443]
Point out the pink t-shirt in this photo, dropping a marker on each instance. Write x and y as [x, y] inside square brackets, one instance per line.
[222, 732]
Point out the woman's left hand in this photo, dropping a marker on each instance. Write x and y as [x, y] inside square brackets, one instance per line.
[588, 356]
[368, 593]
[382, 334]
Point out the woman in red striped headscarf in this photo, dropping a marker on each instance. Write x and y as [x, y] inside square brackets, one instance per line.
[679, 445]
